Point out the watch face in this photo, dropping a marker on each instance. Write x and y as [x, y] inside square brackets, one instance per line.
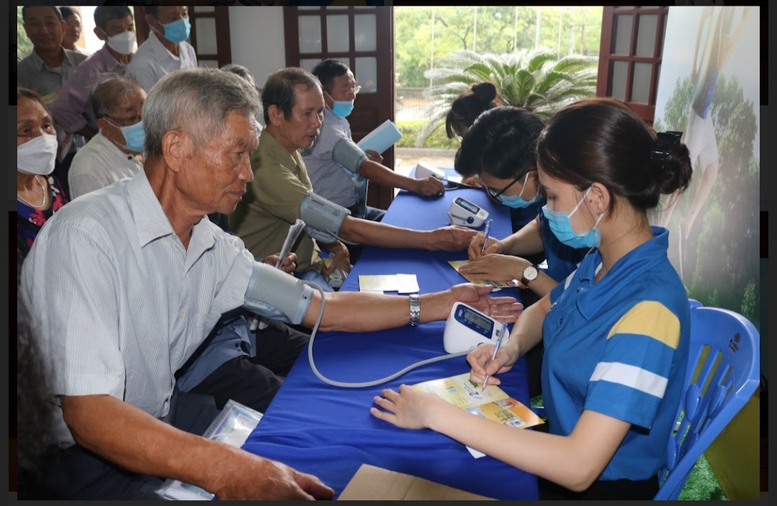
[530, 272]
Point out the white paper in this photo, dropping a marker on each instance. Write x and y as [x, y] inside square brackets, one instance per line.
[400, 283]
[291, 238]
[382, 138]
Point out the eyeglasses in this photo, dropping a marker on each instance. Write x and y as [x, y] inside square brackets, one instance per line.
[124, 121]
[494, 195]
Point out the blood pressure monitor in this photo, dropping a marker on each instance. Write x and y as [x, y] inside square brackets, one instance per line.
[465, 213]
[466, 328]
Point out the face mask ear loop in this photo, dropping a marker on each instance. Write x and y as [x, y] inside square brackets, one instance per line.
[523, 185]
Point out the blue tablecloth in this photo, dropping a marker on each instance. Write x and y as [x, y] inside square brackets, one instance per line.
[329, 432]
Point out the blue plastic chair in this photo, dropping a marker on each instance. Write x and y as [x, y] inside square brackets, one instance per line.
[722, 376]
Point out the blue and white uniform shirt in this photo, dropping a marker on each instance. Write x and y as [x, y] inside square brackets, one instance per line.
[619, 347]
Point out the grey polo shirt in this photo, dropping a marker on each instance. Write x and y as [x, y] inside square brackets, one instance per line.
[120, 304]
[330, 179]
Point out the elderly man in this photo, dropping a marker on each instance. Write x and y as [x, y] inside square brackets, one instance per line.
[330, 168]
[71, 109]
[127, 282]
[293, 111]
[117, 149]
[166, 48]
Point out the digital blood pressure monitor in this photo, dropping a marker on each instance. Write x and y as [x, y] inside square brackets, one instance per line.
[465, 213]
[466, 328]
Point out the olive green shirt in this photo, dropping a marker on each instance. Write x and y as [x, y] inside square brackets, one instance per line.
[271, 204]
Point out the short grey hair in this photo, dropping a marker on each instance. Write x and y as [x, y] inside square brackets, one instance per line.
[108, 89]
[197, 102]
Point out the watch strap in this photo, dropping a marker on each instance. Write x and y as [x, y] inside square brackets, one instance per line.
[415, 309]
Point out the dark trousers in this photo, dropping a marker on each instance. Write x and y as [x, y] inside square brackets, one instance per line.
[254, 380]
[77, 473]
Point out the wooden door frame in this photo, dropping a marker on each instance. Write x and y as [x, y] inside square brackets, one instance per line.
[379, 196]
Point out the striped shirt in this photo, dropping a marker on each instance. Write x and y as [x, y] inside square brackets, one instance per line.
[121, 304]
[619, 347]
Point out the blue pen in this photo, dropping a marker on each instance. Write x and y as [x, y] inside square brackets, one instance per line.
[485, 239]
[496, 349]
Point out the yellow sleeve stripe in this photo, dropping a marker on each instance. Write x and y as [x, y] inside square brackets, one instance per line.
[651, 319]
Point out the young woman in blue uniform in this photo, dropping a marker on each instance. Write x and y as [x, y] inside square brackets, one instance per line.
[616, 331]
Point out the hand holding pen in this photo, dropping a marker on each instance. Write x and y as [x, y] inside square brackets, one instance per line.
[487, 232]
[496, 350]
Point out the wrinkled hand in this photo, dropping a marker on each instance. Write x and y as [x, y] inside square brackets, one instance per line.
[503, 309]
[480, 361]
[288, 265]
[451, 238]
[410, 408]
[496, 267]
[429, 186]
[473, 181]
[374, 156]
[476, 245]
[264, 479]
[340, 260]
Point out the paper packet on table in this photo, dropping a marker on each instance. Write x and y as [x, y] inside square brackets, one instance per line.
[232, 426]
[400, 283]
[493, 403]
[498, 285]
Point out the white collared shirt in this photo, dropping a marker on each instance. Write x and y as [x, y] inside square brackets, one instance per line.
[152, 61]
[119, 304]
[98, 164]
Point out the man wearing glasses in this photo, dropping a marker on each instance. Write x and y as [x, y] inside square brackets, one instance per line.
[342, 179]
[117, 149]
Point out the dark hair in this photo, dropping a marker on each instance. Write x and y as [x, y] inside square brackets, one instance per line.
[327, 70]
[108, 89]
[602, 140]
[56, 11]
[22, 92]
[279, 90]
[103, 14]
[69, 11]
[466, 108]
[500, 143]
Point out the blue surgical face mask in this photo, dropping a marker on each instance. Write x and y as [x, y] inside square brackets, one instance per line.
[516, 201]
[342, 109]
[134, 136]
[177, 31]
[561, 226]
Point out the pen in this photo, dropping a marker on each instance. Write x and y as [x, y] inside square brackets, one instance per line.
[485, 239]
[496, 349]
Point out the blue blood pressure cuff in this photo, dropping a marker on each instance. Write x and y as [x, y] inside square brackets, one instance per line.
[322, 218]
[348, 154]
[276, 295]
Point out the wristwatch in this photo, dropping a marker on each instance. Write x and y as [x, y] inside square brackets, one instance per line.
[415, 309]
[530, 273]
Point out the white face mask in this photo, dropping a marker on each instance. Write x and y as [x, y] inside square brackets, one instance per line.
[124, 42]
[37, 157]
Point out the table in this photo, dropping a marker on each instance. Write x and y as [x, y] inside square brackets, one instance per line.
[329, 432]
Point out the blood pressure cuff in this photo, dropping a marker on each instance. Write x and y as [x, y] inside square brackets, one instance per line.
[322, 218]
[348, 154]
[276, 295]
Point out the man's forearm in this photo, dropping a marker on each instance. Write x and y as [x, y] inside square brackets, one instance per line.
[138, 442]
[381, 174]
[380, 234]
[366, 312]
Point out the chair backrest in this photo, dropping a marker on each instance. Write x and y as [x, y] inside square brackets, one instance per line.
[722, 376]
